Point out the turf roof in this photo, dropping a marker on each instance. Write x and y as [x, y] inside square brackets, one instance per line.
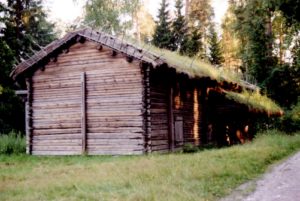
[194, 68]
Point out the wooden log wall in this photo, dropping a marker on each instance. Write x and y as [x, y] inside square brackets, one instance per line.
[187, 106]
[113, 101]
[159, 98]
[228, 120]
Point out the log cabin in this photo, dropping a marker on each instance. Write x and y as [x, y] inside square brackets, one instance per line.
[92, 93]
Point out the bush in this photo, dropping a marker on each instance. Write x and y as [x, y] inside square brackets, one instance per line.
[190, 148]
[12, 143]
[291, 120]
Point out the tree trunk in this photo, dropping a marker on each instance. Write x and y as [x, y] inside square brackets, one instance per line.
[187, 5]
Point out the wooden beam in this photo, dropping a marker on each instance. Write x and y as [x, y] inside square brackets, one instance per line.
[147, 114]
[171, 120]
[21, 92]
[28, 116]
[83, 112]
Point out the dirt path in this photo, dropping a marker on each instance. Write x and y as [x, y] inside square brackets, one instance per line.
[282, 183]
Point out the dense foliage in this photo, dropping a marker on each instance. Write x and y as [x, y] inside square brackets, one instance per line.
[23, 30]
[179, 28]
[12, 143]
[215, 53]
[162, 36]
[112, 16]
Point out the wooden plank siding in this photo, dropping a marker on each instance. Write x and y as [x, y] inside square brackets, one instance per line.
[114, 108]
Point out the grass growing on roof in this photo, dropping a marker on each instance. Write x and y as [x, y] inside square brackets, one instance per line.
[255, 101]
[206, 175]
[193, 67]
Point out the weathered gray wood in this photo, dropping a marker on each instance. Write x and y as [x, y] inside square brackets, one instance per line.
[27, 127]
[178, 130]
[83, 112]
[114, 109]
[28, 118]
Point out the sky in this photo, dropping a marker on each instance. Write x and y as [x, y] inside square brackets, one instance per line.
[66, 11]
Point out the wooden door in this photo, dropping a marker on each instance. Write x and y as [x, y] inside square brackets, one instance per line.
[178, 131]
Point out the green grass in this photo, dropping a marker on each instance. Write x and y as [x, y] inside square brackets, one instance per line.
[206, 175]
[255, 101]
[12, 143]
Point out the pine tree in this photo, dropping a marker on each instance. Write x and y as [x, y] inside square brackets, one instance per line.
[230, 42]
[162, 34]
[191, 45]
[254, 28]
[179, 28]
[23, 30]
[215, 53]
[26, 28]
[200, 17]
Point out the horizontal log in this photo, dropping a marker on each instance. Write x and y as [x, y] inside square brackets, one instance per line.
[61, 144]
[66, 110]
[56, 97]
[104, 66]
[116, 101]
[159, 142]
[56, 121]
[57, 136]
[115, 142]
[56, 131]
[101, 148]
[160, 148]
[159, 132]
[129, 114]
[158, 111]
[56, 85]
[56, 141]
[55, 153]
[55, 126]
[66, 78]
[91, 109]
[116, 97]
[115, 130]
[53, 102]
[62, 115]
[48, 92]
[121, 124]
[50, 105]
[114, 81]
[55, 148]
[100, 136]
[117, 119]
[115, 152]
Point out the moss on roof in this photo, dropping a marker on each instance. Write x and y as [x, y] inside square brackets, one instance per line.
[193, 67]
[255, 101]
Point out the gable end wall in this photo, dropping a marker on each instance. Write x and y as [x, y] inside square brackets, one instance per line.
[114, 90]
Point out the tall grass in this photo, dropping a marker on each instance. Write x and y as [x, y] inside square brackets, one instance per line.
[12, 143]
[255, 101]
[206, 175]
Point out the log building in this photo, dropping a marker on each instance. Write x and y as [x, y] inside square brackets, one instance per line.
[91, 93]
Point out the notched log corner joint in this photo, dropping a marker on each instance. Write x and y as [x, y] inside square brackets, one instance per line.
[100, 47]
[80, 39]
[129, 59]
[114, 53]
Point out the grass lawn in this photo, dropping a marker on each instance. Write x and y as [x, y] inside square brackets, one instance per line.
[206, 175]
